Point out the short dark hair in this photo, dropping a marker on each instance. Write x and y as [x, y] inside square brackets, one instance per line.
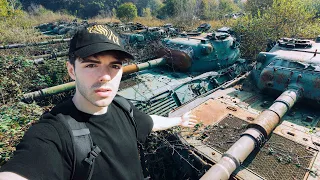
[72, 58]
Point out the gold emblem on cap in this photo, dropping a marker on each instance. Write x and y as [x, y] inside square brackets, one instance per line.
[101, 29]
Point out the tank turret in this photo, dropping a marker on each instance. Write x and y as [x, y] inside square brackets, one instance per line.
[291, 62]
[208, 52]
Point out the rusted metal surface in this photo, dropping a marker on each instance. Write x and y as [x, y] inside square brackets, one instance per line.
[254, 137]
[288, 158]
[130, 69]
[227, 129]
[316, 83]
[290, 62]
[177, 59]
[267, 120]
[212, 111]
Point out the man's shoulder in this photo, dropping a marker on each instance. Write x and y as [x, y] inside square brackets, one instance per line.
[65, 107]
[52, 117]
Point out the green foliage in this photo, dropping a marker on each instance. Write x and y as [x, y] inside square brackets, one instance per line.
[17, 76]
[21, 76]
[285, 18]
[54, 72]
[127, 12]
[10, 8]
[146, 12]
[227, 7]
[167, 10]
[288, 17]
[15, 119]
[4, 5]
[155, 6]
[257, 6]
[38, 10]
[183, 12]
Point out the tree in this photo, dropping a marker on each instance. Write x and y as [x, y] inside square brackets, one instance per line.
[127, 12]
[146, 12]
[4, 8]
[227, 7]
[186, 9]
[155, 6]
[288, 17]
[284, 18]
[256, 7]
[141, 5]
[14, 5]
[208, 9]
[10, 8]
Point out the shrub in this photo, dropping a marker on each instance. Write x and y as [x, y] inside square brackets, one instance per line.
[127, 12]
[286, 18]
[15, 119]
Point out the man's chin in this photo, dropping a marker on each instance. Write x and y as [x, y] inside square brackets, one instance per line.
[103, 102]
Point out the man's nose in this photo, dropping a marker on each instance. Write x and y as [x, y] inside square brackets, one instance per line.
[105, 75]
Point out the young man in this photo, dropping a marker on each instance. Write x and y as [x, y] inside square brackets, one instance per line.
[46, 151]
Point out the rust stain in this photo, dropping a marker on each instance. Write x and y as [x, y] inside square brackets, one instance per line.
[281, 78]
[266, 76]
[252, 99]
[316, 83]
[231, 108]
[249, 118]
[213, 111]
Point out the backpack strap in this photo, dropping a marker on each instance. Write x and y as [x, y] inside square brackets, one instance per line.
[126, 106]
[83, 162]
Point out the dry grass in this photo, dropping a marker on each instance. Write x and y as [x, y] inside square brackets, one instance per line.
[186, 25]
[17, 30]
[51, 17]
[20, 28]
[151, 22]
[103, 20]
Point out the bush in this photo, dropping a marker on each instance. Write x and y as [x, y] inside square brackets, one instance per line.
[21, 76]
[286, 18]
[127, 12]
[15, 119]
[4, 8]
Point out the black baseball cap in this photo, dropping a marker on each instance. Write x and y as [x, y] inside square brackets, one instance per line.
[95, 38]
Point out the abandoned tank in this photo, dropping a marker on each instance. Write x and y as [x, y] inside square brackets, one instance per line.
[266, 127]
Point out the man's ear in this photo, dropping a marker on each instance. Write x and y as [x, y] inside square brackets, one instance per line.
[71, 71]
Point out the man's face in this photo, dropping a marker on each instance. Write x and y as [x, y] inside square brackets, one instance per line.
[97, 79]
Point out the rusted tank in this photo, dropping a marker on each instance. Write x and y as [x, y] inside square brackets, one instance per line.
[241, 138]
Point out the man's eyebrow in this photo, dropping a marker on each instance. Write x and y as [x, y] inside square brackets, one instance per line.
[99, 62]
[116, 62]
[90, 61]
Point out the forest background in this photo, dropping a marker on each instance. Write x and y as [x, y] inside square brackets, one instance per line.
[257, 22]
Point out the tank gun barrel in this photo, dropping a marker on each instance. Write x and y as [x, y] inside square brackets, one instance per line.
[52, 41]
[254, 136]
[71, 85]
[143, 66]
